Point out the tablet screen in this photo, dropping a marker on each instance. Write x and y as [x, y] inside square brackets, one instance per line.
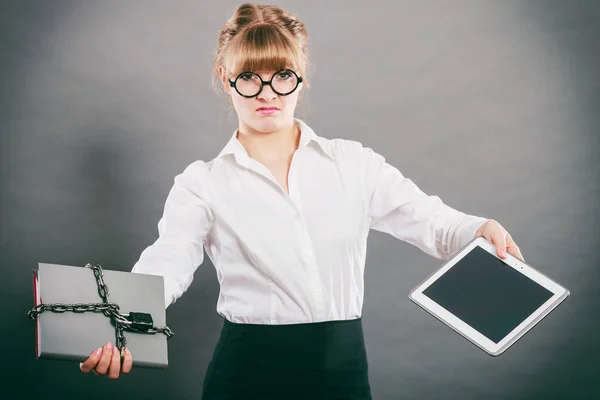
[487, 294]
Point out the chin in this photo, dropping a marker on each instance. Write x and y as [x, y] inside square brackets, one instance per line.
[267, 124]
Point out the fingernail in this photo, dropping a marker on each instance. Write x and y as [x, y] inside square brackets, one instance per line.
[109, 345]
[98, 351]
[127, 351]
[115, 350]
[80, 364]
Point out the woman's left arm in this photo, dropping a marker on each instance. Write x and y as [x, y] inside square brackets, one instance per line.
[398, 207]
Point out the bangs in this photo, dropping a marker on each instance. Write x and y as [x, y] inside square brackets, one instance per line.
[263, 47]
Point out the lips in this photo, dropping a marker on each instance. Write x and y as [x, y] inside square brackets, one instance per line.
[267, 110]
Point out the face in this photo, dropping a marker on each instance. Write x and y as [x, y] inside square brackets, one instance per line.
[266, 113]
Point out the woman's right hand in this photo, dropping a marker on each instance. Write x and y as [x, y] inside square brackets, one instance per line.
[107, 361]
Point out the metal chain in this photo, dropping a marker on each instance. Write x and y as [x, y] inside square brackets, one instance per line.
[111, 310]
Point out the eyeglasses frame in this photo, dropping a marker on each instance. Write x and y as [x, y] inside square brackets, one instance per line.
[263, 83]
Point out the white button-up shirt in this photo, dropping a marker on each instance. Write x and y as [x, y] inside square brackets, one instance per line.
[293, 258]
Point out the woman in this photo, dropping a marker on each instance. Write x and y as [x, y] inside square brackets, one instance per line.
[284, 216]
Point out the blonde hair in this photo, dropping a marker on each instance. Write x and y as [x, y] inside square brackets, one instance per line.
[261, 38]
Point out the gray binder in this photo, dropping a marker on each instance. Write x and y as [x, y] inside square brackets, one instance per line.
[74, 336]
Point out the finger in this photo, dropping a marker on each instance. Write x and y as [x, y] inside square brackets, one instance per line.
[104, 362]
[115, 364]
[89, 364]
[499, 240]
[515, 252]
[127, 362]
[512, 248]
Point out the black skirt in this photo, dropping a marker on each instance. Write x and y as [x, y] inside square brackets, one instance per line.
[320, 360]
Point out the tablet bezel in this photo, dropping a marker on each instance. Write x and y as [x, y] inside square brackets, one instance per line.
[559, 293]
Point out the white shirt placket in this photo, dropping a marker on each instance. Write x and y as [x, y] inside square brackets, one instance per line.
[306, 244]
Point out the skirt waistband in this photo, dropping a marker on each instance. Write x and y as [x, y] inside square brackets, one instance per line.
[305, 327]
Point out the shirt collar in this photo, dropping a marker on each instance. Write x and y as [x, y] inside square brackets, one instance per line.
[307, 135]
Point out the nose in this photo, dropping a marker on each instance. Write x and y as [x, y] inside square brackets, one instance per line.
[267, 93]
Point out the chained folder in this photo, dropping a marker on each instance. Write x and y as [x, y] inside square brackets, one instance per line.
[75, 335]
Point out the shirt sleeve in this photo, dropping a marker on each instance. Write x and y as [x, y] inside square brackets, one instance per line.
[183, 227]
[398, 207]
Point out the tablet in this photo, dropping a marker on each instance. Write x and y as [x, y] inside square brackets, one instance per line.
[489, 301]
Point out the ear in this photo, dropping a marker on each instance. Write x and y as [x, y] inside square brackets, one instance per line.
[224, 80]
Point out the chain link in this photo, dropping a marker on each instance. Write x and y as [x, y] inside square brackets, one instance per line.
[111, 310]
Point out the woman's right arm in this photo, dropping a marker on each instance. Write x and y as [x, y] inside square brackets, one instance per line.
[179, 249]
[175, 255]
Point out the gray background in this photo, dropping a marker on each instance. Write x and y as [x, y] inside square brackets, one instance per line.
[492, 105]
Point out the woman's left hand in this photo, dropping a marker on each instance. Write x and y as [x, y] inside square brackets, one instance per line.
[497, 235]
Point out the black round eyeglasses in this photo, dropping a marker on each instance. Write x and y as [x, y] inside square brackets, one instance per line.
[249, 84]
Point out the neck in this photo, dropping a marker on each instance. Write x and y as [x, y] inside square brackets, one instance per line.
[269, 146]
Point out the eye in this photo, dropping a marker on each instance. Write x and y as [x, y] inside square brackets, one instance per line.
[246, 77]
[284, 75]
